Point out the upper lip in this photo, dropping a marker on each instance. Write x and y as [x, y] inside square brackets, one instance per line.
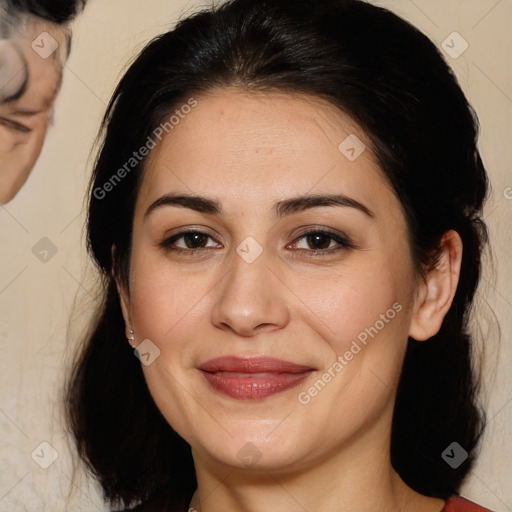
[252, 365]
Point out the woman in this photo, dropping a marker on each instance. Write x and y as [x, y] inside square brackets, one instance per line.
[286, 210]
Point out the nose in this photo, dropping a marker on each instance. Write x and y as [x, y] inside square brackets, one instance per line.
[251, 299]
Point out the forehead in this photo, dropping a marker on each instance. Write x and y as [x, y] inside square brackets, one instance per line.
[246, 146]
[44, 47]
[26, 28]
[236, 124]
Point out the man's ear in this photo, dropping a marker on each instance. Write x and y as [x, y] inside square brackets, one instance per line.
[122, 291]
[435, 294]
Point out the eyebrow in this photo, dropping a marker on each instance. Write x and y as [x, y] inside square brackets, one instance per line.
[281, 208]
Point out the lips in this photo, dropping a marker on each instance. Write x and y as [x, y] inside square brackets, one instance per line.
[253, 378]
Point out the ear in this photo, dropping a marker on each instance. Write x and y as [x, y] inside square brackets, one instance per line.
[123, 292]
[436, 291]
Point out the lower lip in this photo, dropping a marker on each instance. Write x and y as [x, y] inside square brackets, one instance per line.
[249, 387]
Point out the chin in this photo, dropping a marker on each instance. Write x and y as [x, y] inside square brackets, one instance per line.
[254, 450]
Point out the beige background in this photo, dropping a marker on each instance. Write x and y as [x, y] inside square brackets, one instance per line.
[37, 299]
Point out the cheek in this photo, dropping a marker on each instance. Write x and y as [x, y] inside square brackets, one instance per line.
[165, 304]
[364, 316]
[38, 138]
[17, 159]
[30, 152]
[165, 308]
[348, 304]
[24, 151]
[6, 142]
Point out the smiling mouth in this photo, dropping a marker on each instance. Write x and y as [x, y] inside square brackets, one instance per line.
[253, 378]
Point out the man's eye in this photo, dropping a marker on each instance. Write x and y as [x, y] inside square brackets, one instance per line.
[13, 125]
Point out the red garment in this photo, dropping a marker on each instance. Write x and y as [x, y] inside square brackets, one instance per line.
[454, 504]
[459, 504]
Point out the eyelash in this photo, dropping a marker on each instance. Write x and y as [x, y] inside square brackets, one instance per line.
[343, 241]
[12, 125]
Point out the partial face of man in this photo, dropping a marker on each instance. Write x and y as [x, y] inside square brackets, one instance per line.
[34, 55]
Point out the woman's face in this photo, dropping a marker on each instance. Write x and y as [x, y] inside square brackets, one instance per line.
[298, 251]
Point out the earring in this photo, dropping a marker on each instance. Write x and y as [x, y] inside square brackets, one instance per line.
[132, 337]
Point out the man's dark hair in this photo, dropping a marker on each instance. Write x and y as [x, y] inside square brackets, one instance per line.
[56, 11]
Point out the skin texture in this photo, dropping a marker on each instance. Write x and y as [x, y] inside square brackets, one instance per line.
[13, 71]
[248, 151]
[25, 120]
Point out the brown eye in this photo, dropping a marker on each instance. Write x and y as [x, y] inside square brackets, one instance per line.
[195, 240]
[189, 241]
[318, 242]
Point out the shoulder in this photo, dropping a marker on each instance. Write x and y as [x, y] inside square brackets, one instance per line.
[458, 504]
